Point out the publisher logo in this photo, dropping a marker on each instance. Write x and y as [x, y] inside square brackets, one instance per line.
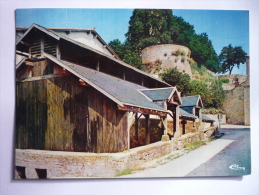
[236, 167]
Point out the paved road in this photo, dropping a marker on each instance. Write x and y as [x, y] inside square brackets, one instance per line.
[213, 159]
[237, 154]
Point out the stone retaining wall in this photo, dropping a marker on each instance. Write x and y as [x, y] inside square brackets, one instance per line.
[159, 58]
[58, 164]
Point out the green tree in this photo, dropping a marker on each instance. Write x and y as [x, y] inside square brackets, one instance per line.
[118, 47]
[132, 58]
[202, 49]
[201, 88]
[176, 78]
[182, 31]
[149, 27]
[230, 57]
[203, 52]
[211, 92]
[218, 95]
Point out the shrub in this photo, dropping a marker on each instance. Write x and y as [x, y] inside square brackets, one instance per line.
[176, 78]
[224, 80]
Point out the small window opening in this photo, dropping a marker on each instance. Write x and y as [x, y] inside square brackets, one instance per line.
[42, 173]
[21, 172]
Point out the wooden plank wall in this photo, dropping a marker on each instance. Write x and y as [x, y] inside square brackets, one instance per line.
[60, 114]
[31, 115]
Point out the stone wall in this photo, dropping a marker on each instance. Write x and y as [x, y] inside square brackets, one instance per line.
[237, 105]
[234, 81]
[158, 58]
[57, 164]
[156, 132]
[232, 78]
[76, 164]
[215, 117]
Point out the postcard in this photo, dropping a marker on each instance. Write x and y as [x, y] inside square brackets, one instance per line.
[132, 93]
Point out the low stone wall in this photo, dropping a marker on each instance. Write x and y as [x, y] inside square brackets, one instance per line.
[215, 117]
[58, 164]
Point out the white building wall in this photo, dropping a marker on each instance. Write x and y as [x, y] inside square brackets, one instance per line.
[87, 39]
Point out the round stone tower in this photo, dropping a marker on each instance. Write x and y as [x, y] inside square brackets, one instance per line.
[159, 58]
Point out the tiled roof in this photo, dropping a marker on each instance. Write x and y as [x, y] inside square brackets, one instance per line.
[58, 36]
[158, 94]
[186, 114]
[121, 91]
[206, 118]
[190, 101]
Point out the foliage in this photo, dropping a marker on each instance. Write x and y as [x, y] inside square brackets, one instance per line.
[211, 93]
[202, 70]
[158, 26]
[133, 59]
[212, 111]
[201, 88]
[182, 31]
[126, 54]
[149, 27]
[224, 80]
[200, 45]
[230, 57]
[218, 95]
[176, 78]
[118, 47]
[203, 52]
[194, 145]
[124, 172]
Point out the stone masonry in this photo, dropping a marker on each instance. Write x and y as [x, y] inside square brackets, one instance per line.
[158, 58]
[58, 164]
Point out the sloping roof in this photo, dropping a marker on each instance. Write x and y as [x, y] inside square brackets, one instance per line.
[23, 28]
[158, 94]
[190, 101]
[186, 114]
[58, 36]
[206, 118]
[55, 29]
[120, 91]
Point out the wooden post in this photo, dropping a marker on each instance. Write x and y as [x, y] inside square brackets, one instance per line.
[41, 46]
[147, 129]
[124, 75]
[136, 126]
[200, 117]
[165, 136]
[30, 52]
[58, 51]
[97, 65]
[183, 125]
[176, 122]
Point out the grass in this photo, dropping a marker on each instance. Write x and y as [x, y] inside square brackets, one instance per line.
[194, 145]
[130, 171]
[124, 172]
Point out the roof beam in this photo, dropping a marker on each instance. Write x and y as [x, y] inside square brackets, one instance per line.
[141, 110]
[55, 60]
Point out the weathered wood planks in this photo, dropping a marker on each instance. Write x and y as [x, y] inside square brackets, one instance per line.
[58, 113]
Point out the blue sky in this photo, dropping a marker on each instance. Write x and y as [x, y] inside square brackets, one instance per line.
[223, 27]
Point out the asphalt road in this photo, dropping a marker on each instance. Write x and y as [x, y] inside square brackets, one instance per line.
[233, 160]
[229, 155]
